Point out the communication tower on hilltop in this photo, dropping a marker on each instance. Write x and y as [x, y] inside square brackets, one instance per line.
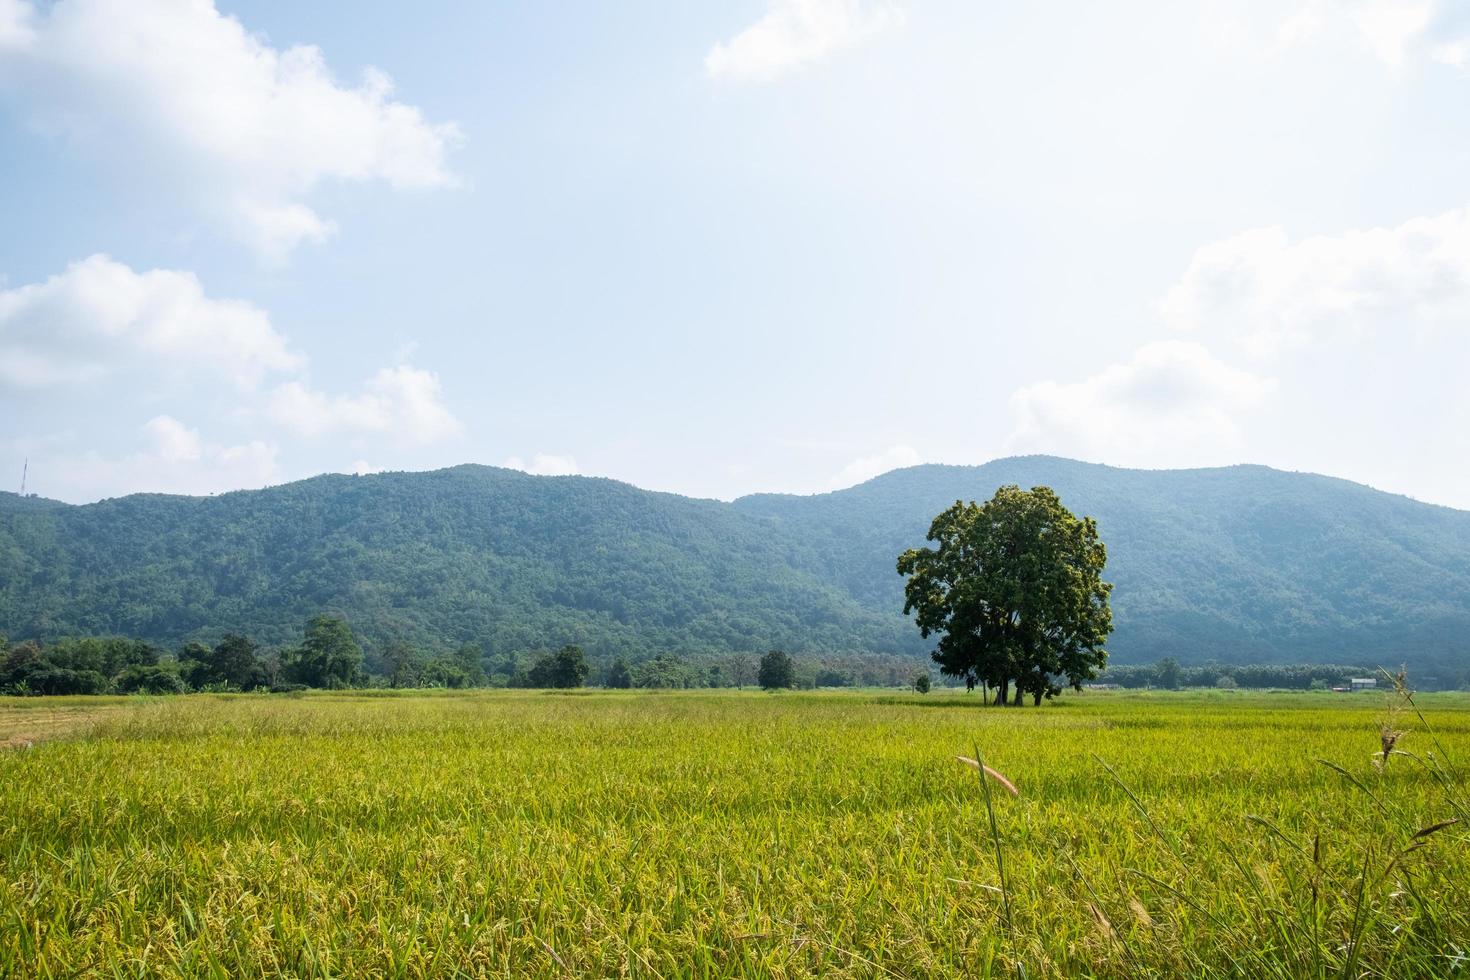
[24, 471]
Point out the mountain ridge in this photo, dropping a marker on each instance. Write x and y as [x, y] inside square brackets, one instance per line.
[1241, 563]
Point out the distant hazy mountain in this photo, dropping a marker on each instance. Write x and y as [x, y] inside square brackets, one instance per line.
[1243, 564]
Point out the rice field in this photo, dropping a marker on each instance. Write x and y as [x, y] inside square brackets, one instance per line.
[714, 834]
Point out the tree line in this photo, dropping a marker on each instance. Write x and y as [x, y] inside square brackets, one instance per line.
[1170, 674]
[329, 655]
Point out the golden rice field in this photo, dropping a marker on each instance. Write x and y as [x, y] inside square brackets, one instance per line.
[733, 834]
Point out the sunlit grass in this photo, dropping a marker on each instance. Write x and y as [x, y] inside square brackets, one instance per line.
[728, 834]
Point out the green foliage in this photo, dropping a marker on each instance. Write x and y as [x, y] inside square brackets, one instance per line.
[922, 683]
[1240, 564]
[664, 672]
[26, 672]
[777, 672]
[232, 664]
[1296, 677]
[1167, 673]
[403, 662]
[72, 666]
[444, 672]
[1243, 564]
[139, 679]
[470, 661]
[328, 656]
[1014, 590]
[565, 668]
[619, 676]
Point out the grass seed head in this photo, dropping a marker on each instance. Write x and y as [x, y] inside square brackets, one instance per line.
[1005, 783]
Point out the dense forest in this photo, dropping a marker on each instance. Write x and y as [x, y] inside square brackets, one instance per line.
[1237, 565]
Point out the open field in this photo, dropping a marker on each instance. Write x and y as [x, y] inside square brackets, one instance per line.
[729, 834]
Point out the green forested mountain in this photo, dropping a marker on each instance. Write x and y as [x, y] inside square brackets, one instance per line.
[1242, 564]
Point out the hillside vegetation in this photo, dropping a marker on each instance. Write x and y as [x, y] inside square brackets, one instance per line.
[1242, 564]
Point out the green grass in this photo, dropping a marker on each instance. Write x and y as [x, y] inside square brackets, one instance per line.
[726, 834]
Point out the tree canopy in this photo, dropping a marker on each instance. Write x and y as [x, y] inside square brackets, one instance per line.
[565, 668]
[1014, 591]
[777, 671]
[328, 656]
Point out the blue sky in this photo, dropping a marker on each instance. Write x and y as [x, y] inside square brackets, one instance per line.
[724, 248]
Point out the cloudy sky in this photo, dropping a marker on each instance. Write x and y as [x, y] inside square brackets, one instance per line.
[726, 247]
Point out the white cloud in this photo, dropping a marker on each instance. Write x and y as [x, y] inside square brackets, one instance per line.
[797, 32]
[543, 464]
[362, 467]
[1391, 30]
[1271, 292]
[402, 403]
[1172, 404]
[173, 459]
[866, 467]
[99, 317]
[251, 129]
[172, 440]
[16, 24]
[100, 334]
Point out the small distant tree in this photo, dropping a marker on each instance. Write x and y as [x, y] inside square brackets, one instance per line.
[663, 672]
[443, 672]
[565, 668]
[195, 668]
[921, 682]
[232, 662]
[470, 659]
[742, 669]
[403, 663]
[272, 671]
[1167, 672]
[328, 656]
[777, 672]
[235, 662]
[1226, 682]
[619, 675]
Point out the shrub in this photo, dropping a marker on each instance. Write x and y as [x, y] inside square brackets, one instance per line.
[61, 680]
[141, 679]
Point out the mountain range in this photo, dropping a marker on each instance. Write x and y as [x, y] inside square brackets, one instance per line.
[1241, 564]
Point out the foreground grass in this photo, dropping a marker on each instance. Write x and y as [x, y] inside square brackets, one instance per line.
[724, 834]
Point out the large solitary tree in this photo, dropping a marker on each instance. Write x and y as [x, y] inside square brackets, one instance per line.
[1013, 589]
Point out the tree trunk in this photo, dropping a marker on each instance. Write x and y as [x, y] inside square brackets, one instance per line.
[1036, 699]
[985, 694]
[1005, 691]
[1019, 692]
